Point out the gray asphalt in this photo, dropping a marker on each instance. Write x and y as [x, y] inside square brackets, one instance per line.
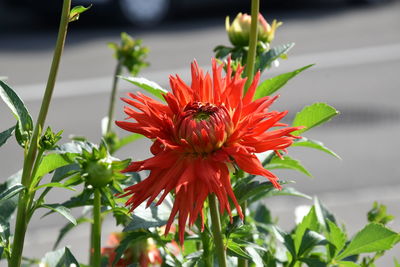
[357, 56]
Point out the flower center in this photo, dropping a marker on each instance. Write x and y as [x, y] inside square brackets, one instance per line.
[204, 126]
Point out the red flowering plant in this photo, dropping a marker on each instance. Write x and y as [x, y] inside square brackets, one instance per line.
[214, 140]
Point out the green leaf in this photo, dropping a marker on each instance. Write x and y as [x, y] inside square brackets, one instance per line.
[7, 207]
[127, 140]
[76, 11]
[17, 106]
[313, 262]
[153, 216]
[312, 116]
[5, 135]
[61, 210]
[323, 214]
[59, 258]
[396, 263]
[68, 227]
[10, 192]
[235, 250]
[309, 240]
[306, 142]
[51, 162]
[336, 237]
[374, 237]
[347, 264]
[287, 163]
[255, 257]
[310, 222]
[274, 53]
[149, 86]
[270, 86]
[286, 191]
[65, 171]
[60, 185]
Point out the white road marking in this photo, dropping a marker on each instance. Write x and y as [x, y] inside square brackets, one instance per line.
[323, 60]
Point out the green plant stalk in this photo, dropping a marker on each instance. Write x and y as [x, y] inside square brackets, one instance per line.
[21, 221]
[96, 238]
[217, 232]
[207, 255]
[117, 72]
[251, 56]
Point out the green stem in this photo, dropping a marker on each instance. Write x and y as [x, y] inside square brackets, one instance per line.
[251, 58]
[118, 70]
[216, 230]
[96, 228]
[251, 55]
[207, 255]
[21, 221]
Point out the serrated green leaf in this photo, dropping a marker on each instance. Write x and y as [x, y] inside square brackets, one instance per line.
[153, 216]
[312, 116]
[127, 140]
[336, 237]
[76, 11]
[306, 142]
[5, 135]
[61, 210]
[17, 106]
[10, 192]
[235, 250]
[309, 240]
[310, 222]
[323, 214]
[374, 237]
[347, 264]
[68, 227]
[270, 86]
[59, 258]
[287, 163]
[149, 86]
[265, 59]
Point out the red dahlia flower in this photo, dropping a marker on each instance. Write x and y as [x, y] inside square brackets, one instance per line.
[203, 130]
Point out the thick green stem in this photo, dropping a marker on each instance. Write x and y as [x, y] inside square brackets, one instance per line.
[216, 230]
[96, 228]
[21, 221]
[251, 55]
[118, 69]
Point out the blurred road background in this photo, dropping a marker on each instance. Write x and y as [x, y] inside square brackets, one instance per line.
[357, 54]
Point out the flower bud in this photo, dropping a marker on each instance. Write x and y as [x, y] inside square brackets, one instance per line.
[49, 140]
[98, 174]
[239, 30]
